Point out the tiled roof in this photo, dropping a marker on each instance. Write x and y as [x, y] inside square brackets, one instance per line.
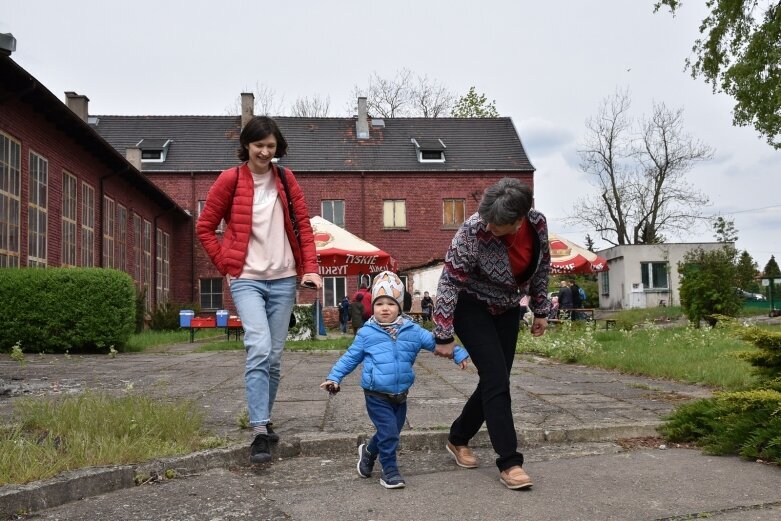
[208, 143]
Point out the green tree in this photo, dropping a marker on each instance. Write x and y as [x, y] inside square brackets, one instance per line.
[589, 243]
[725, 230]
[708, 285]
[474, 105]
[771, 268]
[739, 53]
[747, 273]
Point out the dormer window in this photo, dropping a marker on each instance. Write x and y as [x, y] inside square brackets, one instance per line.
[154, 150]
[430, 150]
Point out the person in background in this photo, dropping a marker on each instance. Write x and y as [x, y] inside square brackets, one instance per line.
[260, 254]
[367, 298]
[576, 302]
[427, 305]
[498, 255]
[344, 314]
[565, 297]
[356, 312]
[387, 346]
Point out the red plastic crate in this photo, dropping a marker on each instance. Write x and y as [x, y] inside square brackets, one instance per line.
[234, 322]
[203, 322]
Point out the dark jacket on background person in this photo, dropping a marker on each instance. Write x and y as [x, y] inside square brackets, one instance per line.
[565, 298]
[356, 312]
[576, 302]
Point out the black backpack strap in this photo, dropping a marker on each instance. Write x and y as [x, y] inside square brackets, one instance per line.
[291, 211]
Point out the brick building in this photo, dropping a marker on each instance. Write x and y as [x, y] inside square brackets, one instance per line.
[403, 184]
[68, 198]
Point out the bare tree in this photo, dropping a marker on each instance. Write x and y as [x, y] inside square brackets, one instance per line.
[314, 107]
[266, 103]
[639, 170]
[430, 98]
[404, 95]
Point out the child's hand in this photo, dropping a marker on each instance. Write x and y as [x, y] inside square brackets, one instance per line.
[331, 387]
[463, 364]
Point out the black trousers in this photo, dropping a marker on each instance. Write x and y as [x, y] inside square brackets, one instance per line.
[490, 341]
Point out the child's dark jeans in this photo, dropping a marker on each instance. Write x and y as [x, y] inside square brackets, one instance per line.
[388, 418]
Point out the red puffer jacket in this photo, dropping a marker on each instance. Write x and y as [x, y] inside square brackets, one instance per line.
[231, 199]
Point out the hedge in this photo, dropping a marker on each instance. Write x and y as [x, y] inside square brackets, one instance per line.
[59, 309]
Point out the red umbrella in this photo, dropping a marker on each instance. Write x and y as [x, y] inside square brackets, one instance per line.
[340, 253]
[568, 257]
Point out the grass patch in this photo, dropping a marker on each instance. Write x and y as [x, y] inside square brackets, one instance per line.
[141, 341]
[641, 315]
[701, 356]
[222, 345]
[49, 436]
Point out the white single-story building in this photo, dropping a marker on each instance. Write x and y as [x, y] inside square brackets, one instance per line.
[644, 275]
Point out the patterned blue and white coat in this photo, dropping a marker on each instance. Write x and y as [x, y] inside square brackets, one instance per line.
[387, 363]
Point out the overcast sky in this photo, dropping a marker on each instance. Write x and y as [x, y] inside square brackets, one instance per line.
[546, 64]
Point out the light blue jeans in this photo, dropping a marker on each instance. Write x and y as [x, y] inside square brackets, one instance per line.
[264, 307]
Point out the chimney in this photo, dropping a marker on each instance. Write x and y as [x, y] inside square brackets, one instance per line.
[79, 104]
[7, 44]
[247, 107]
[362, 125]
[133, 156]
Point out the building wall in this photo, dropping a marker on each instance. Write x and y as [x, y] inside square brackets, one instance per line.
[38, 134]
[423, 240]
[624, 263]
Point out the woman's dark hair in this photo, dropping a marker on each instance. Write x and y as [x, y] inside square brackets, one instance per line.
[260, 127]
[505, 202]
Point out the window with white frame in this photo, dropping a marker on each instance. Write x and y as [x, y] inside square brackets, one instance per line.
[333, 210]
[87, 226]
[109, 213]
[201, 204]
[10, 200]
[211, 293]
[654, 275]
[453, 212]
[37, 213]
[122, 237]
[147, 265]
[394, 213]
[70, 188]
[334, 290]
[605, 280]
[163, 267]
[138, 250]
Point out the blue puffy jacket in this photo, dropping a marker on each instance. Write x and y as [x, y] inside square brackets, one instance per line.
[387, 364]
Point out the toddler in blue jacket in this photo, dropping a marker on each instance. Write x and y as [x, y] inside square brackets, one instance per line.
[387, 345]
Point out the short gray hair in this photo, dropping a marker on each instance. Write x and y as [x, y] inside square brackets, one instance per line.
[505, 202]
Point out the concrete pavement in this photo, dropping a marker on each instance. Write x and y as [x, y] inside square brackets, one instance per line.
[555, 405]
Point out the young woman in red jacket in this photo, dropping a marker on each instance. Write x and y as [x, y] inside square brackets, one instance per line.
[261, 253]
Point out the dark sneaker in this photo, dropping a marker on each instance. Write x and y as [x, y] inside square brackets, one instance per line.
[365, 461]
[258, 452]
[273, 437]
[392, 479]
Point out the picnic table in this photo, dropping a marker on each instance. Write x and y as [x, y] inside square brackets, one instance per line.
[218, 320]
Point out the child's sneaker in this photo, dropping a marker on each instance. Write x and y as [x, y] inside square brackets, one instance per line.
[365, 461]
[392, 479]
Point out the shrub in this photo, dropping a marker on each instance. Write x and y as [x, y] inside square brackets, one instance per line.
[305, 324]
[708, 281]
[747, 423]
[766, 361]
[60, 309]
